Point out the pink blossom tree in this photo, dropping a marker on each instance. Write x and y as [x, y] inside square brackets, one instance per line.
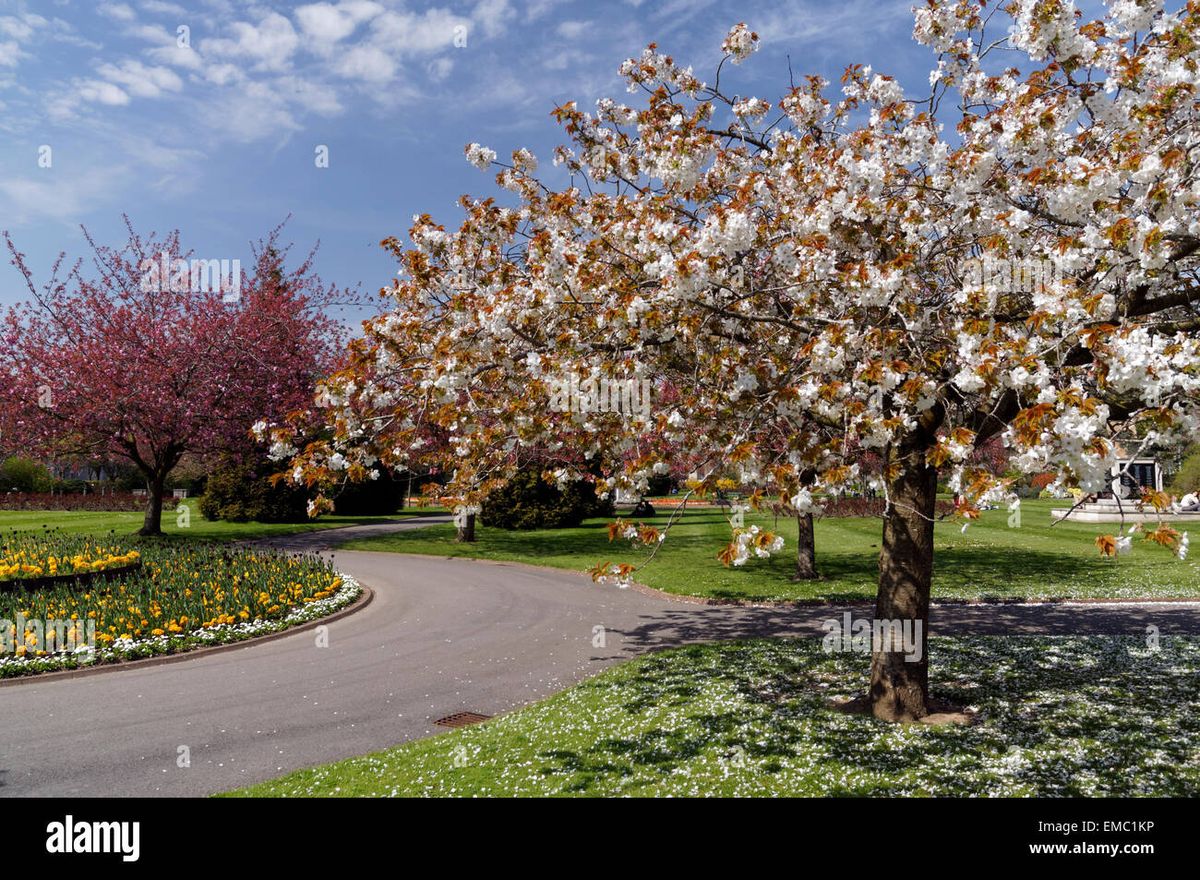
[131, 361]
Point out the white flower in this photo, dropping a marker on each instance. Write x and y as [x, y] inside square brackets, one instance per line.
[741, 43]
[479, 156]
[751, 109]
[524, 160]
[803, 502]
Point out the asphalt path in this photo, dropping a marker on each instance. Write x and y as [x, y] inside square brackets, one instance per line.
[440, 636]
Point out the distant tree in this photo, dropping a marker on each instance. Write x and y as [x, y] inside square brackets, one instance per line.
[124, 363]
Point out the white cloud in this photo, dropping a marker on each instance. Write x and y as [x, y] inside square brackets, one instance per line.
[180, 56]
[572, 29]
[151, 33]
[269, 44]
[328, 23]
[492, 15]
[366, 63]
[21, 27]
[55, 196]
[315, 97]
[100, 92]
[535, 9]
[250, 112]
[160, 7]
[406, 32]
[224, 74]
[10, 54]
[140, 80]
[119, 11]
[62, 32]
[439, 68]
[852, 20]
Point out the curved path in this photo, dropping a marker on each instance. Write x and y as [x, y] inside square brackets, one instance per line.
[441, 636]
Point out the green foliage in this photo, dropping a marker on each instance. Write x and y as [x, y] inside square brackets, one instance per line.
[24, 475]
[529, 502]
[241, 492]
[1187, 478]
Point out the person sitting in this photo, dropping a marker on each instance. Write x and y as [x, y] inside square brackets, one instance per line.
[1189, 503]
[643, 508]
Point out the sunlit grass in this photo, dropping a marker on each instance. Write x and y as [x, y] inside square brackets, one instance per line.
[991, 560]
[1057, 716]
[124, 523]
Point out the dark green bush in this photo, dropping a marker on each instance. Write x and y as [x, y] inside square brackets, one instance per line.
[73, 486]
[529, 502]
[244, 492]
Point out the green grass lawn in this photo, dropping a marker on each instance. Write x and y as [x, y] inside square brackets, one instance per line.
[1057, 716]
[991, 560]
[126, 523]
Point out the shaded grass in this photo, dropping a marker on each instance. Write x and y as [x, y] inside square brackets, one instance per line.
[1058, 716]
[990, 561]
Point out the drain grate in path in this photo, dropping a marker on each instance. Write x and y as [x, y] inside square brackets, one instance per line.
[462, 719]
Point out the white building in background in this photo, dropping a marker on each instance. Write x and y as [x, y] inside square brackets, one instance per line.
[1130, 476]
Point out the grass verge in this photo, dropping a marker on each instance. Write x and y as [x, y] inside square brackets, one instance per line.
[1058, 717]
[991, 560]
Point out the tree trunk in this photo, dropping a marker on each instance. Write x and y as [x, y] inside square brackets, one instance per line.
[152, 525]
[466, 531]
[806, 549]
[899, 683]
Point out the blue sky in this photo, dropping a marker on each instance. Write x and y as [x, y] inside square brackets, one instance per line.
[218, 138]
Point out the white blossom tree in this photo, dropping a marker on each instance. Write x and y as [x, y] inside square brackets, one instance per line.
[1012, 255]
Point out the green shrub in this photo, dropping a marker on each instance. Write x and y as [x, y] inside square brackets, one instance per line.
[1187, 478]
[240, 492]
[24, 475]
[529, 502]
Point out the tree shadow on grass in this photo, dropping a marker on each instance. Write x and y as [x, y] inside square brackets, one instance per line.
[1074, 719]
[985, 573]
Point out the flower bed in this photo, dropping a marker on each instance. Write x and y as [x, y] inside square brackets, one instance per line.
[46, 557]
[181, 598]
